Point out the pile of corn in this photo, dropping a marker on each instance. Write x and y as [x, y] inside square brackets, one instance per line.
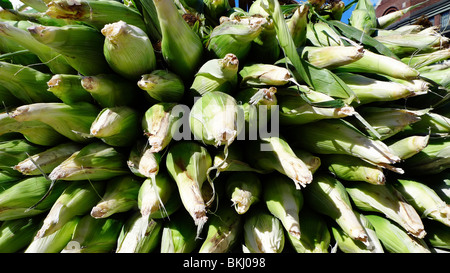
[193, 126]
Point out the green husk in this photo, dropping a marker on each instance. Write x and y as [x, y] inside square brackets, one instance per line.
[224, 230]
[424, 200]
[363, 17]
[327, 196]
[18, 234]
[121, 195]
[80, 45]
[110, 90]
[15, 150]
[187, 163]
[162, 85]
[244, 189]
[409, 146]
[128, 50]
[433, 159]
[438, 234]
[55, 242]
[315, 236]
[284, 202]
[263, 233]
[321, 34]
[95, 161]
[76, 200]
[181, 47]
[117, 126]
[25, 83]
[178, 236]
[331, 56]
[68, 88]
[139, 234]
[261, 74]
[72, 121]
[297, 25]
[394, 238]
[16, 200]
[45, 161]
[392, 17]
[53, 60]
[216, 75]
[351, 168]
[94, 235]
[387, 200]
[422, 60]
[94, 13]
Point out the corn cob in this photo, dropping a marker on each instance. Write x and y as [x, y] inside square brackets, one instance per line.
[16, 200]
[94, 235]
[348, 245]
[177, 236]
[424, 200]
[214, 119]
[315, 236]
[326, 195]
[35, 132]
[235, 35]
[430, 123]
[55, 62]
[95, 161]
[244, 189]
[187, 163]
[27, 84]
[216, 75]
[159, 123]
[18, 234]
[387, 200]
[109, 90]
[440, 76]
[284, 202]
[72, 121]
[162, 85]
[331, 56]
[224, 230]
[116, 126]
[142, 161]
[275, 153]
[128, 50]
[93, 13]
[157, 197]
[351, 168]
[347, 140]
[139, 234]
[181, 47]
[434, 158]
[68, 88]
[409, 146]
[394, 238]
[422, 60]
[121, 195]
[45, 161]
[80, 45]
[297, 25]
[55, 242]
[379, 64]
[263, 233]
[76, 200]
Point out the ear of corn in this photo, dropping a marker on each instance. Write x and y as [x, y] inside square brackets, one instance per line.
[387, 200]
[17, 200]
[409, 146]
[18, 234]
[142, 161]
[243, 189]
[363, 17]
[116, 126]
[331, 56]
[139, 234]
[437, 235]
[284, 202]
[177, 237]
[328, 196]
[224, 229]
[315, 235]
[94, 235]
[263, 233]
[266, 46]
[120, 195]
[432, 159]
[162, 85]
[297, 25]
[68, 88]
[55, 242]
[264, 74]
[394, 238]
[123, 45]
[80, 45]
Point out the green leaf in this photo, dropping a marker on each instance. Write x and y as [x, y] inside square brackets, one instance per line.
[5, 4]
